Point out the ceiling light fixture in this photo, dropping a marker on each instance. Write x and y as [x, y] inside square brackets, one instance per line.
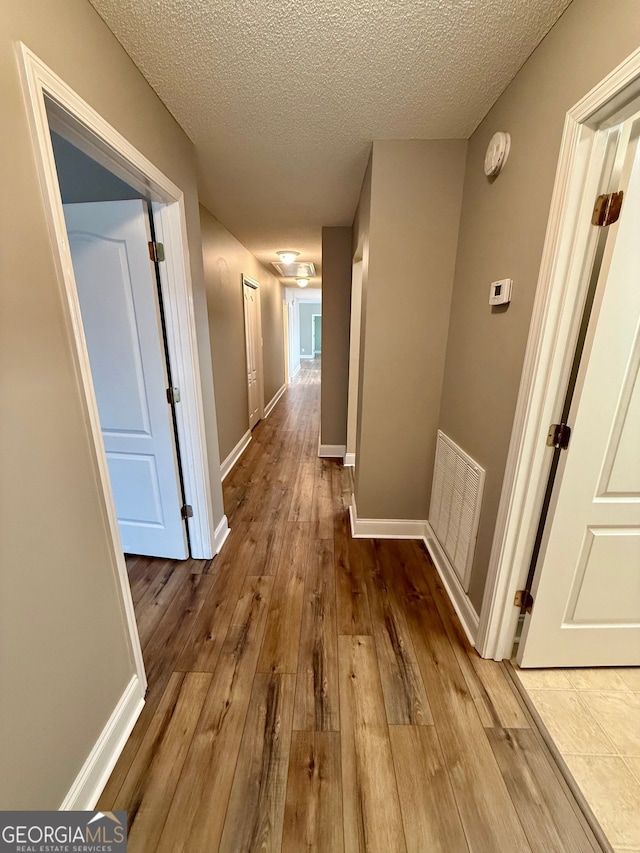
[287, 256]
[302, 282]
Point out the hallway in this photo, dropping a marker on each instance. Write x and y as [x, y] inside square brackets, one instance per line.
[310, 691]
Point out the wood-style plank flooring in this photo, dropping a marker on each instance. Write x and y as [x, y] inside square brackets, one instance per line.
[313, 692]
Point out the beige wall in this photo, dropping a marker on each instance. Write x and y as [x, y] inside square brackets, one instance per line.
[502, 233]
[65, 659]
[225, 261]
[416, 193]
[336, 311]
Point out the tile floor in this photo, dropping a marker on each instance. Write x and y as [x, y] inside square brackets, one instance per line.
[593, 715]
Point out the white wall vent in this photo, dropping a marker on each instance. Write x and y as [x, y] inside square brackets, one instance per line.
[456, 497]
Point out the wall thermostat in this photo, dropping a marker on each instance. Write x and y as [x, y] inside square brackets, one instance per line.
[500, 291]
[497, 153]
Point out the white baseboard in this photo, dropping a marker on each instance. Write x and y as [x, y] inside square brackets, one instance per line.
[392, 528]
[306, 356]
[296, 371]
[384, 528]
[235, 454]
[90, 782]
[272, 403]
[331, 451]
[349, 460]
[220, 536]
[467, 615]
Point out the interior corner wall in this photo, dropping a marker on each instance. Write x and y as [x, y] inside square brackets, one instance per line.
[502, 233]
[336, 314]
[66, 655]
[225, 262]
[414, 211]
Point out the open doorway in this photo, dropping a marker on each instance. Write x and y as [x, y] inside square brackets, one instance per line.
[53, 106]
[110, 229]
[304, 329]
[316, 340]
[307, 312]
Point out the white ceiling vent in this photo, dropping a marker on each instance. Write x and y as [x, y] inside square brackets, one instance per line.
[295, 270]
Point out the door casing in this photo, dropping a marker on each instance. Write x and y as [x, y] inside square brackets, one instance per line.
[255, 342]
[52, 103]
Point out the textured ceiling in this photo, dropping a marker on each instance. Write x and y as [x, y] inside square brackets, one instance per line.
[282, 98]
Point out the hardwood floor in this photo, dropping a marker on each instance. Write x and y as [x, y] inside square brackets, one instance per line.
[309, 691]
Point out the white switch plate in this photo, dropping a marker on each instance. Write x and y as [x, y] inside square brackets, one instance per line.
[500, 292]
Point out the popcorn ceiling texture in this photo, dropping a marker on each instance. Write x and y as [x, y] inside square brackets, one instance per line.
[282, 98]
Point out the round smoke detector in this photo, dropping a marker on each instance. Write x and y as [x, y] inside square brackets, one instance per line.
[497, 153]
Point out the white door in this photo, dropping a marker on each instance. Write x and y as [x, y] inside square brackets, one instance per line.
[253, 337]
[120, 315]
[586, 609]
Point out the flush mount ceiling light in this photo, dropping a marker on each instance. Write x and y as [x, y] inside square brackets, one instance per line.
[287, 256]
[302, 282]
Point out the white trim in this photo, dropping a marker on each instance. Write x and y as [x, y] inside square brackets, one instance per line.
[236, 453]
[296, 371]
[355, 322]
[221, 534]
[384, 528]
[461, 602]
[331, 451]
[39, 80]
[392, 528]
[549, 349]
[349, 460]
[307, 356]
[273, 401]
[95, 772]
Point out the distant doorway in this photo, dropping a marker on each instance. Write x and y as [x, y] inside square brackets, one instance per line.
[316, 338]
[304, 332]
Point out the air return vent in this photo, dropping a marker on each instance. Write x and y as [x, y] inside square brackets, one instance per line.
[295, 270]
[456, 498]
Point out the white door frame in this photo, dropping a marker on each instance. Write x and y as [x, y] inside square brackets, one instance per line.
[554, 327]
[285, 333]
[86, 128]
[354, 358]
[313, 333]
[251, 282]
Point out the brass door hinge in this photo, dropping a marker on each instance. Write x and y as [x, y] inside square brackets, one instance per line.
[607, 209]
[186, 511]
[173, 395]
[559, 435]
[156, 252]
[523, 600]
